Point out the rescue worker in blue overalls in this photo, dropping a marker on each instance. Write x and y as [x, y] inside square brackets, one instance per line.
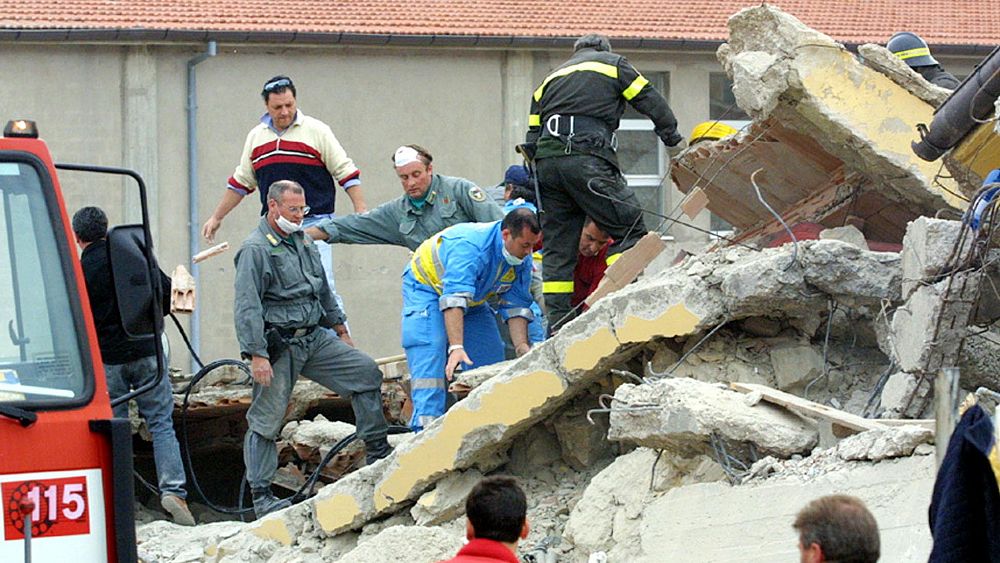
[446, 321]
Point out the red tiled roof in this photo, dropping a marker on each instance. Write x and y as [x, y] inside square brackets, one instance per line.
[940, 22]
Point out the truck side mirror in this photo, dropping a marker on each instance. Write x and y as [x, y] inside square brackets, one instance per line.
[134, 287]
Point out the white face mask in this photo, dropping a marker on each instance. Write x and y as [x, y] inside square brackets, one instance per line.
[287, 226]
[510, 258]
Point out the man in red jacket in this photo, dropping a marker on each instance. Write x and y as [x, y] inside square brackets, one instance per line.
[497, 519]
[591, 262]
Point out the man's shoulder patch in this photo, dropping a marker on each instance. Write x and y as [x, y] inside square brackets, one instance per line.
[477, 194]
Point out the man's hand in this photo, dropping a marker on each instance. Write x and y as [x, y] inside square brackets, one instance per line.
[210, 227]
[345, 336]
[260, 367]
[456, 357]
[522, 349]
[677, 149]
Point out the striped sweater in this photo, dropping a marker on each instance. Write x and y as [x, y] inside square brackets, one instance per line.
[307, 152]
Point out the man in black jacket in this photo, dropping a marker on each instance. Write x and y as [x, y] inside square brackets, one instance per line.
[129, 363]
[574, 115]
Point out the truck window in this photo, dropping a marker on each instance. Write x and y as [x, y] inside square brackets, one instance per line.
[40, 360]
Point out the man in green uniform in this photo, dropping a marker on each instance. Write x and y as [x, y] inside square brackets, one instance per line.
[282, 300]
[430, 203]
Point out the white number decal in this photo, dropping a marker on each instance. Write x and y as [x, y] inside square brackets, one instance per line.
[35, 499]
[51, 499]
[71, 495]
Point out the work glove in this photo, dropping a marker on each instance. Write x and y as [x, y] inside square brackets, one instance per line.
[677, 149]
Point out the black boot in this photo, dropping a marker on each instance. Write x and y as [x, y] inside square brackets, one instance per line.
[264, 502]
[376, 449]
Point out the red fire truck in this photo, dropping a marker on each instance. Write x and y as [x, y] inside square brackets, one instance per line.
[65, 463]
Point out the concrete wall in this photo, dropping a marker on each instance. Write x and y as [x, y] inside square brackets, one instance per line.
[124, 105]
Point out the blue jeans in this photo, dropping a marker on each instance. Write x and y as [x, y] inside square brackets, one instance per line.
[326, 257]
[157, 407]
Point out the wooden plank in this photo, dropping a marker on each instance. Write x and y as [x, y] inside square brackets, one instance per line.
[809, 408]
[694, 203]
[628, 267]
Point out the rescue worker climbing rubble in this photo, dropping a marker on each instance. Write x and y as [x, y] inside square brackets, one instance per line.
[574, 115]
[446, 321]
[282, 300]
[429, 204]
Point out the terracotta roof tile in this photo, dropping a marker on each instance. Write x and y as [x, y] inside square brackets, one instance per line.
[940, 22]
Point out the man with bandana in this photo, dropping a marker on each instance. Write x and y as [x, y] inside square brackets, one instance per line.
[282, 298]
[446, 320]
[429, 204]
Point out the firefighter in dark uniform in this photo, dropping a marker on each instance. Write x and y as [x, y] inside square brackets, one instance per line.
[913, 50]
[574, 116]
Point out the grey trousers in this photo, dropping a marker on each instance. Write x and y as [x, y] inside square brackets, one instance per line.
[325, 359]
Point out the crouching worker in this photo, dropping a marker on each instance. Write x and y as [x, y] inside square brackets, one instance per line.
[446, 320]
[497, 513]
[283, 308]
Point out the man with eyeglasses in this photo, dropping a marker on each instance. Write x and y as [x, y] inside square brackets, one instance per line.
[289, 145]
[282, 300]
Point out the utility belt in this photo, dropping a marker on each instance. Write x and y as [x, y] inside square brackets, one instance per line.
[277, 339]
[579, 128]
[290, 333]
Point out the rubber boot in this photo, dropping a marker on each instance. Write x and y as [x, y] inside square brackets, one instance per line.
[376, 449]
[264, 502]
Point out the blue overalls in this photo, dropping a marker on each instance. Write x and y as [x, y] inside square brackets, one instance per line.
[461, 267]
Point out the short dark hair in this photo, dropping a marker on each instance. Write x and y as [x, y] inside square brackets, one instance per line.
[519, 219]
[594, 41]
[523, 192]
[843, 528]
[277, 85]
[422, 154]
[277, 189]
[497, 508]
[90, 224]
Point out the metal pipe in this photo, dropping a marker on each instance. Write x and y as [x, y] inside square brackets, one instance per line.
[194, 233]
[967, 106]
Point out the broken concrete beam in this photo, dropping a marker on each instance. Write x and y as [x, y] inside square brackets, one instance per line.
[785, 71]
[928, 247]
[883, 443]
[466, 381]
[882, 60]
[681, 415]
[896, 395]
[928, 330]
[446, 501]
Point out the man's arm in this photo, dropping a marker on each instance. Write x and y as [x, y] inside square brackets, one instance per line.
[378, 226]
[342, 168]
[518, 327]
[641, 95]
[229, 201]
[534, 121]
[454, 326]
[515, 308]
[248, 311]
[240, 184]
[477, 207]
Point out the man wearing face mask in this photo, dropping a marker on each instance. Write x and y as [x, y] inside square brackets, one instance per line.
[430, 203]
[446, 321]
[282, 298]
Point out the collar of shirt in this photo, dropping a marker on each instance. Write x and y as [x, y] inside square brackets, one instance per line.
[266, 120]
[274, 237]
[488, 549]
[416, 206]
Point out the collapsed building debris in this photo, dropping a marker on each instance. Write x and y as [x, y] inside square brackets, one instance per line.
[818, 336]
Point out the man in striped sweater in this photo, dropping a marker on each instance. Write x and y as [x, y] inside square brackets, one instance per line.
[289, 145]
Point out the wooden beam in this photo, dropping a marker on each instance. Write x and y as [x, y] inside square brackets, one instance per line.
[810, 409]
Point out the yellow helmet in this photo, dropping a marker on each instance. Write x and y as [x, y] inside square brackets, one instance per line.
[711, 131]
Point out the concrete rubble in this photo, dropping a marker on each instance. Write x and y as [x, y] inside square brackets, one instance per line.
[623, 429]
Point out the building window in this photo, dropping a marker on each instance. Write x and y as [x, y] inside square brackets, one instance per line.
[641, 155]
[721, 101]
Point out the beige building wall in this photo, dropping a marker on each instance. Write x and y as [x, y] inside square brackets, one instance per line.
[124, 105]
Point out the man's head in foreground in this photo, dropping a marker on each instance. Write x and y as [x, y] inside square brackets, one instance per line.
[497, 510]
[837, 528]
